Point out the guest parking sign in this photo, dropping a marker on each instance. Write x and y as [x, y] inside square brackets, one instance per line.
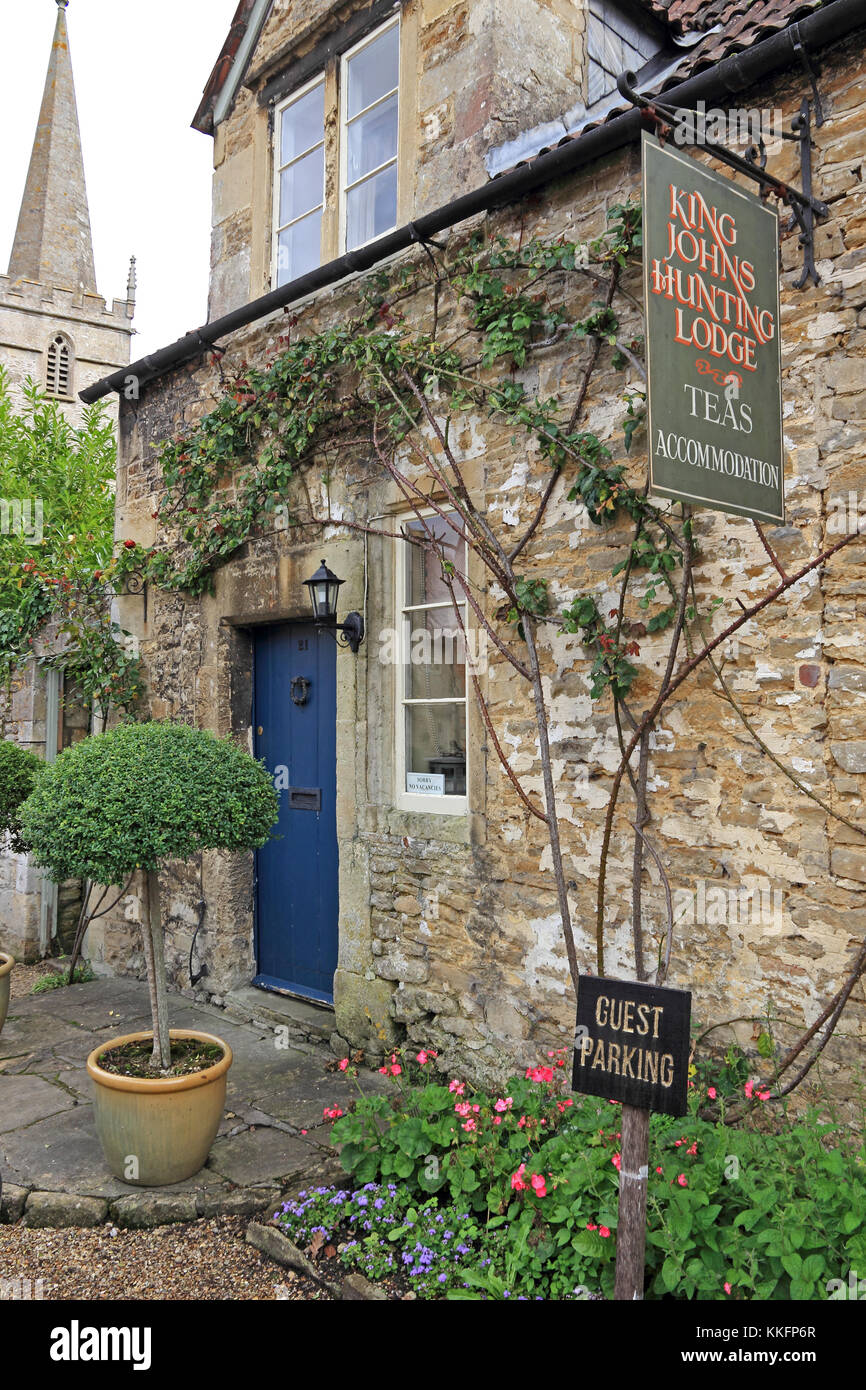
[632, 1043]
[711, 285]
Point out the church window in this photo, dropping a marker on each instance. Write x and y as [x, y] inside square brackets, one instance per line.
[58, 368]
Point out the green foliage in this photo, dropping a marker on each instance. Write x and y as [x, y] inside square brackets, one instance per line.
[83, 975]
[141, 794]
[731, 1212]
[20, 770]
[611, 668]
[62, 566]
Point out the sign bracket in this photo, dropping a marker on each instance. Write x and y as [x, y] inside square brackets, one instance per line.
[805, 207]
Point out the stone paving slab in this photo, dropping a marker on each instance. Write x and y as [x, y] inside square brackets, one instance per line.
[50, 1157]
[24, 1099]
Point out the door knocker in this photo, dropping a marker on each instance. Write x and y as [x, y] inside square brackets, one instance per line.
[299, 688]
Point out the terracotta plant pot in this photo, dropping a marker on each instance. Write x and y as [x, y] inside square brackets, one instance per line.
[6, 964]
[158, 1131]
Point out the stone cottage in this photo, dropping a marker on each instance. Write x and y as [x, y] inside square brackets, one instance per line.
[412, 889]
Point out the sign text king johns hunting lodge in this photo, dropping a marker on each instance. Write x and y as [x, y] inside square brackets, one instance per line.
[713, 361]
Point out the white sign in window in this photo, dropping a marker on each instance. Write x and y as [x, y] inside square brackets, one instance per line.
[426, 783]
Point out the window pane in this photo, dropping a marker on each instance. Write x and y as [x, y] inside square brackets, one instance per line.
[435, 655]
[303, 124]
[302, 185]
[372, 140]
[424, 582]
[374, 71]
[436, 747]
[299, 248]
[371, 208]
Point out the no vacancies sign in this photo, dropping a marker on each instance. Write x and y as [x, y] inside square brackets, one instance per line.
[632, 1043]
[711, 286]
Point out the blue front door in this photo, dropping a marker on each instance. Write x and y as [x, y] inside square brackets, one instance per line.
[294, 721]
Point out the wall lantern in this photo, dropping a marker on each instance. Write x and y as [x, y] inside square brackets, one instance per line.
[324, 587]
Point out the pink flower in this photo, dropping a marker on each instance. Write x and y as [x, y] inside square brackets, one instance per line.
[604, 1232]
[711, 1092]
[463, 1108]
[423, 1057]
[764, 1094]
[502, 1105]
[539, 1073]
[749, 1088]
[694, 1148]
[659, 1170]
[332, 1112]
[677, 1143]
[468, 1124]
[617, 1161]
[539, 1184]
[727, 1288]
[521, 1122]
[458, 1087]
[497, 1119]
[344, 1063]
[590, 1226]
[517, 1179]
[683, 1180]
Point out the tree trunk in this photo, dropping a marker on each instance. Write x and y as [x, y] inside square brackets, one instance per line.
[155, 960]
[631, 1228]
[550, 801]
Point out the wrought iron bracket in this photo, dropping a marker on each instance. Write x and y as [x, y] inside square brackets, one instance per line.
[348, 634]
[805, 207]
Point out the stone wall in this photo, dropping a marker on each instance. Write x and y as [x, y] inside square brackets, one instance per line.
[448, 926]
[22, 720]
[31, 315]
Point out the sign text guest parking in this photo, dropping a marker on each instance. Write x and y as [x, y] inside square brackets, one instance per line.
[632, 1043]
[711, 282]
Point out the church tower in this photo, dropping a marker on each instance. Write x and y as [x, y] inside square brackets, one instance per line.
[54, 325]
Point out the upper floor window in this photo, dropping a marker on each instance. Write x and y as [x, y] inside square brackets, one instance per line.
[58, 367]
[300, 182]
[358, 161]
[618, 40]
[370, 102]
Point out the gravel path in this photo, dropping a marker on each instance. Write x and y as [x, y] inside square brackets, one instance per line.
[188, 1261]
[24, 977]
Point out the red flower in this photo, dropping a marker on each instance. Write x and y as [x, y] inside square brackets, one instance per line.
[129, 545]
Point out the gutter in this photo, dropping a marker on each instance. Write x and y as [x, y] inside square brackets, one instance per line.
[732, 75]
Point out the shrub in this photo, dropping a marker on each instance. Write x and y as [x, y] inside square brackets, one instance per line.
[135, 797]
[19, 772]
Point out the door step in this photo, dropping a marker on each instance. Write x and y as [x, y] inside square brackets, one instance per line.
[310, 1023]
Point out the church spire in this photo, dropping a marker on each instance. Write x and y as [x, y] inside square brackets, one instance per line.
[53, 241]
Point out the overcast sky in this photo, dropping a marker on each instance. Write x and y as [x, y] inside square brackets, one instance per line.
[140, 67]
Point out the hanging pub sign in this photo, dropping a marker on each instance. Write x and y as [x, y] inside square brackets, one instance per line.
[711, 284]
[631, 1043]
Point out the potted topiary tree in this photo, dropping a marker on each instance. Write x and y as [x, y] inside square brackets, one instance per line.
[19, 771]
[130, 800]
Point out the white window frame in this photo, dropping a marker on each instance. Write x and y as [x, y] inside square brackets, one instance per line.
[344, 123]
[318, 81]
[413, 801]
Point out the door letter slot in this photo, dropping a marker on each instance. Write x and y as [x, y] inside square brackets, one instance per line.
[305, 798]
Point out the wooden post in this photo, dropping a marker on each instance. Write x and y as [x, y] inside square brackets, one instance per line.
[631, 1228]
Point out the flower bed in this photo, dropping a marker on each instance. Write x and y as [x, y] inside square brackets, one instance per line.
[464, 1194]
